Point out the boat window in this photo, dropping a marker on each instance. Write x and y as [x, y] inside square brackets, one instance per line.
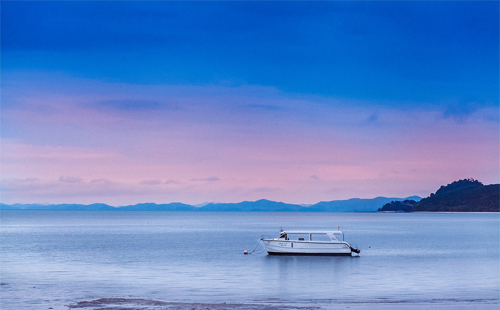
[297, 237]
[283, 236]
[320, 237]
[339, 237]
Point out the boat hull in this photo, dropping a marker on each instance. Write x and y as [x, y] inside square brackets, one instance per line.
[309, 254]
[282, 247]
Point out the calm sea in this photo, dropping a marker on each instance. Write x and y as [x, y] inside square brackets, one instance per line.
[55, 258]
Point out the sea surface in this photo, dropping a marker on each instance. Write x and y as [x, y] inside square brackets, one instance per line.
[56, 258]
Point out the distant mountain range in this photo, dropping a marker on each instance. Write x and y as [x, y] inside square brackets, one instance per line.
[350, 205]
[466, 195]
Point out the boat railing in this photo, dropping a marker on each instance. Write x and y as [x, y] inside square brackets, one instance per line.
[265, 237]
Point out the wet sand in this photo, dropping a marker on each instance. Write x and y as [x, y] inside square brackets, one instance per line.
[145, 304]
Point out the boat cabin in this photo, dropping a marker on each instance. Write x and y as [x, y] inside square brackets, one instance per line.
[319, 236]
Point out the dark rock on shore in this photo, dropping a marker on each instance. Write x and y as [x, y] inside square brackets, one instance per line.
[399, 206]
[146, 304]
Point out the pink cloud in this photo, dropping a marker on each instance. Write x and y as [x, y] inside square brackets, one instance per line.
[68, 179]
[209, 179]
[216, 143]
[151, 182]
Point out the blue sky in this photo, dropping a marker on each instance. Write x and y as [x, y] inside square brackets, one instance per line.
[288, 71]
[415, 51]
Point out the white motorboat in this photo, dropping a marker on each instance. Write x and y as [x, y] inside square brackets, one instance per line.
[309, 243]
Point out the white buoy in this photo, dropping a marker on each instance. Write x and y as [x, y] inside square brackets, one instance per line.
[245, 252]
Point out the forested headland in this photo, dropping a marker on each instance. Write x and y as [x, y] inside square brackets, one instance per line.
[467, 195]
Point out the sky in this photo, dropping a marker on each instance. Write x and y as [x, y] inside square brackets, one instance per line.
[130, 102]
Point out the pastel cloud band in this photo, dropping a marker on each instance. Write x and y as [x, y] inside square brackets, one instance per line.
[227, 143]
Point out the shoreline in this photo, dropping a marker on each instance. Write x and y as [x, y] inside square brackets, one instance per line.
[150, 304]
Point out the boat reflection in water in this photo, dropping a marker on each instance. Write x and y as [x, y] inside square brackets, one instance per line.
[310, 243]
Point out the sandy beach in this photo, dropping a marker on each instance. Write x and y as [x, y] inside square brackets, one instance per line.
[146, 304]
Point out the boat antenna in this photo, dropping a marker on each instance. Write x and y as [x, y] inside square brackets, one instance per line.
[338, 228]
[281, 229]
